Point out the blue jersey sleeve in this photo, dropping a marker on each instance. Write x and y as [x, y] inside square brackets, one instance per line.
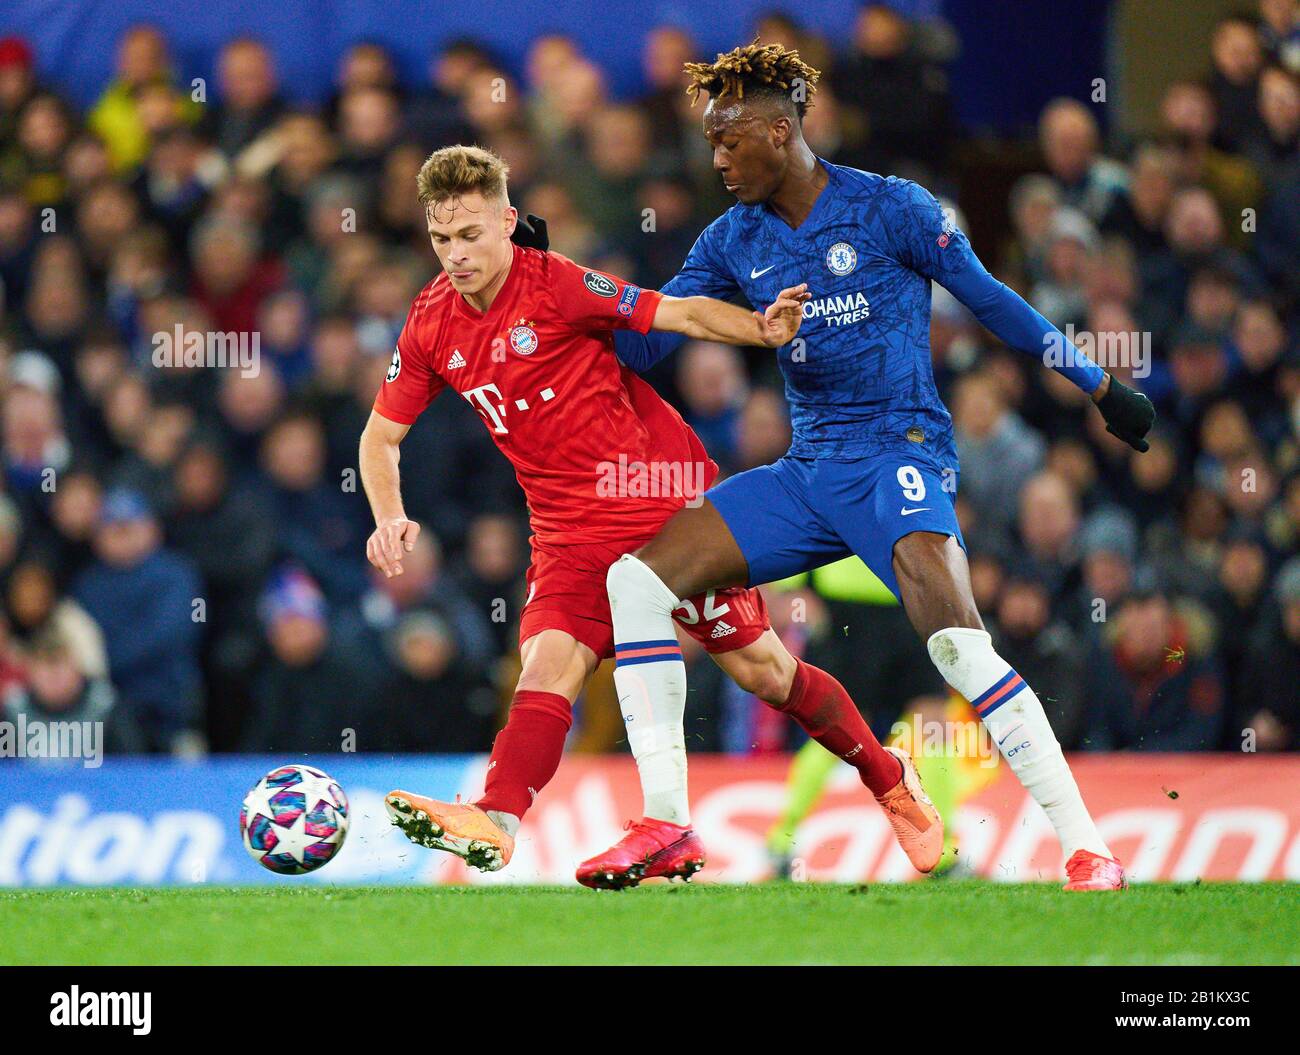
[1018, 325]
[925, 237]
[703, 275]
[928, 241]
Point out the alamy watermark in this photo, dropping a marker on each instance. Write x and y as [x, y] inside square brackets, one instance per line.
[1109, 349]
[75, 1008]
[198, 349]
[927, 738]
[47, 739]
[637, 479]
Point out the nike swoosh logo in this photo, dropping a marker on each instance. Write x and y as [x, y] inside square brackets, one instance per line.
[760, 274]
[919, 509]
[1015, 730]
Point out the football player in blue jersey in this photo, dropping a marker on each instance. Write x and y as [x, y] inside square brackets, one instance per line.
[872, 468]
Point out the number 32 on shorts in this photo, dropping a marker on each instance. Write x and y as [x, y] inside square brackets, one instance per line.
[686, 612]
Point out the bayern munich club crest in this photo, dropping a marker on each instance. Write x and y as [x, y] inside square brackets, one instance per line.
[841, 258]
[523, 339]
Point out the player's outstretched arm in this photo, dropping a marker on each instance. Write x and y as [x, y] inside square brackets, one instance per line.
[704, 274]
[394, 535]
[1009, 317]
[706, 319]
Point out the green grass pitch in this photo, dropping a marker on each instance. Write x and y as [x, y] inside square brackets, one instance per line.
[953, 922]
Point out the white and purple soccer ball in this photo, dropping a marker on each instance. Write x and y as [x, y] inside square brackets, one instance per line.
[294, 820]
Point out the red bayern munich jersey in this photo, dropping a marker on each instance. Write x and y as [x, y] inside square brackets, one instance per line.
[540, 370]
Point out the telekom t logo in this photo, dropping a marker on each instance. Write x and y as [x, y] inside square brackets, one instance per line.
[481, 399]
[491, 410]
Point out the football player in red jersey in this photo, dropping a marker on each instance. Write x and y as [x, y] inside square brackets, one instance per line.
[525, 336]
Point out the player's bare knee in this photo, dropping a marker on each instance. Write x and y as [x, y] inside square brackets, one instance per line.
[762, 671]
[772, 683]
[542, 677]
[552, 662]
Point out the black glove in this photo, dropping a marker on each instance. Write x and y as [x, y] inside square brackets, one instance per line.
[530, 232]
[1129, 414]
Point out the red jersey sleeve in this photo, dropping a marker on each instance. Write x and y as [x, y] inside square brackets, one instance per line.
[410, 384]
[593, 300]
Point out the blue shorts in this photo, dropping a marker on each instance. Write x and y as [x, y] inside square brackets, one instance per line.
[802, 513]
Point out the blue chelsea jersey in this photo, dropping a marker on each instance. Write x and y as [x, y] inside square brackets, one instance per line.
[858, 377]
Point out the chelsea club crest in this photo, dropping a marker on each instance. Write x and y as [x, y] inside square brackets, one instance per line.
[841, 258]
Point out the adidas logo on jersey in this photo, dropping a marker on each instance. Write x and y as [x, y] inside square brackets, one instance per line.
[456, 361]
[721, 629]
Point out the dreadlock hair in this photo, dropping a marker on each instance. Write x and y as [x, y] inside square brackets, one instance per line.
[756, 70]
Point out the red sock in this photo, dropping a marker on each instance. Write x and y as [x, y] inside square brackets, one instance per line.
[526, 753]
[819, 703]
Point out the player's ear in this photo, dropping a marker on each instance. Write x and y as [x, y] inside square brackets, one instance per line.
[510, 217]
[781, 127]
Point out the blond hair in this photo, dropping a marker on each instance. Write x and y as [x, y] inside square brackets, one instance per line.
[453, 172]
[759, 69]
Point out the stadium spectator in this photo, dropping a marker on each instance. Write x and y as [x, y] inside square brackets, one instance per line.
[899, 97]
[1047, 527]
[228, 530]
[1045, 649]
[143, 60]
[34, 607]
[1189, 117]
[436, 113]
[492, 575]
[711, 380]
[17, 83]
[58, 689]
[1239, 599]
[431, 700]
[248, 100]
[1156, 684]
[667, 50]
[1108, 545]
[1280, 31]
[1237, 53]
[1275, 145]
[1071, 143]
[999, 452]
[321, 681]
[423, 586]
[1138, 214]
[320, 527]
[142, 595]
[1267, 702]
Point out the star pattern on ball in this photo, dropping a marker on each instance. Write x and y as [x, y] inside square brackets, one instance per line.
[294, 839]
[259, 801]
[316, 789]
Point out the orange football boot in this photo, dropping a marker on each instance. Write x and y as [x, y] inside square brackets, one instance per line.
[460, 828]
[915, 821]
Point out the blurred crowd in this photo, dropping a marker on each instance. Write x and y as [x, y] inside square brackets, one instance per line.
[182, 548]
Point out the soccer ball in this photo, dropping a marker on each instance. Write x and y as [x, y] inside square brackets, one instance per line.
[294, 820]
